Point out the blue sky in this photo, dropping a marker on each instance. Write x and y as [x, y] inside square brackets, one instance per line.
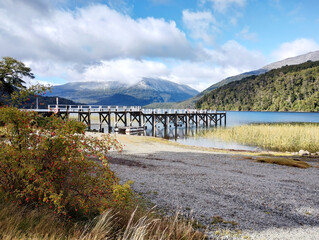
[194, 42]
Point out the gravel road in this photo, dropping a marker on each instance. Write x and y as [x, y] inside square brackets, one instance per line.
[265, 201]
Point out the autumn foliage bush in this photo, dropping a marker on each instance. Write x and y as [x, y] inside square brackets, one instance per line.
[49, 162]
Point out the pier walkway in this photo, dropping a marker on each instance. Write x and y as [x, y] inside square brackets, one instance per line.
[135, 117]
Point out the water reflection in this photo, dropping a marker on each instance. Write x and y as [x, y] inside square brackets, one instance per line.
[172, 133]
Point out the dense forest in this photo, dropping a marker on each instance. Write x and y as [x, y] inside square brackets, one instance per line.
[289, 88]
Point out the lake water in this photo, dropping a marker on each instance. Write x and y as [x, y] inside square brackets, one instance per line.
[194, 136]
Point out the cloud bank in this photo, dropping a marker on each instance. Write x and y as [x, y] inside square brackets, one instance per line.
[98, 43]
[295, 48]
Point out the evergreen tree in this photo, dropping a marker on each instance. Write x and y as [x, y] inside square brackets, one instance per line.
[12, 73]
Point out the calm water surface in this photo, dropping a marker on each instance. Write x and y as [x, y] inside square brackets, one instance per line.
[241, 118]
[193, 136]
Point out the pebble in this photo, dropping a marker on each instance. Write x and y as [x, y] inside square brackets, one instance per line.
[259, 199]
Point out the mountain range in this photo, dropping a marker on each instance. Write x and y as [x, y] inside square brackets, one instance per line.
[312, 56]
[190, 103]
[146, 91]
[289, 88]
[157, 93]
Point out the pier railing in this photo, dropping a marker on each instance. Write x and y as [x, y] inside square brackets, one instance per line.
[128, 116]
[101, 108]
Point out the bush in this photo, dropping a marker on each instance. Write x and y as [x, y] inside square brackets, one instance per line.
[51, 163]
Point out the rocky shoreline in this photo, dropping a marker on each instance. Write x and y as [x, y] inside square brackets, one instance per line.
[223, 191]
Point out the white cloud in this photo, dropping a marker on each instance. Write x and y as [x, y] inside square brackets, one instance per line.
[36, 81]
[247, 35]
[97, 43]
[120, 6]
[223, 5]
[86, 34]
[230, 59]
[295, 48]
[232, 54]
[201, 25]
[127, 70]
[200, 75]
[124, 70]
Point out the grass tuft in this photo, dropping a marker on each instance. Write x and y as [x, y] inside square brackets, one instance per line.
[285, 162]
[26, 223]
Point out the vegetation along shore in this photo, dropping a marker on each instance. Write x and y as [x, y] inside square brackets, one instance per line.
[291, 137]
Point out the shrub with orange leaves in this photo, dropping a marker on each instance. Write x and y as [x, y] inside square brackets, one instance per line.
[50, 162]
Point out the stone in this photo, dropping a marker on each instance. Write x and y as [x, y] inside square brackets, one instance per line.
[303, 153]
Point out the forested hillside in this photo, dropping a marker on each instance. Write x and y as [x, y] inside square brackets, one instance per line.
[289, 88]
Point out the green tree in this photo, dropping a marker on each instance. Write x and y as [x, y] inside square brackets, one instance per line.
[12, 73]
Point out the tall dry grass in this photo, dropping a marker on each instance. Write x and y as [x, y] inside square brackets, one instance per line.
[290, 137]
[18, 223]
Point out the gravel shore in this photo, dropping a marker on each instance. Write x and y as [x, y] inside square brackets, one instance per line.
[223, 190]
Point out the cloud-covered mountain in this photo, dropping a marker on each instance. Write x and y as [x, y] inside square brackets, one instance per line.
[146, 91]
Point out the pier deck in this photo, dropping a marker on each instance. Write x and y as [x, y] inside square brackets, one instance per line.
[131, 116]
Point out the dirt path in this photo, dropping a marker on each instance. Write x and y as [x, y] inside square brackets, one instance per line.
[264, 200]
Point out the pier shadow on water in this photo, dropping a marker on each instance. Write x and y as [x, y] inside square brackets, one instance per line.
[169, 133]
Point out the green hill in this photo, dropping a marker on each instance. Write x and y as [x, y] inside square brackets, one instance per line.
[289, 88]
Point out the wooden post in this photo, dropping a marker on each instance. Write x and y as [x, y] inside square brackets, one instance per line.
[175, 132]
[130, 118]
[89, 119]
[176, 119]
[165, 121]
[116, 117]
[153, 124]
[206, 117]
[186, 119]
[166, 127]
[125, 118]
[196, 117]
[186, 131]
[110, 120]
[140, 123]
[67, 113]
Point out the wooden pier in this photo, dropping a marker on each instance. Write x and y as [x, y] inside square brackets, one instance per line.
[135, 117]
